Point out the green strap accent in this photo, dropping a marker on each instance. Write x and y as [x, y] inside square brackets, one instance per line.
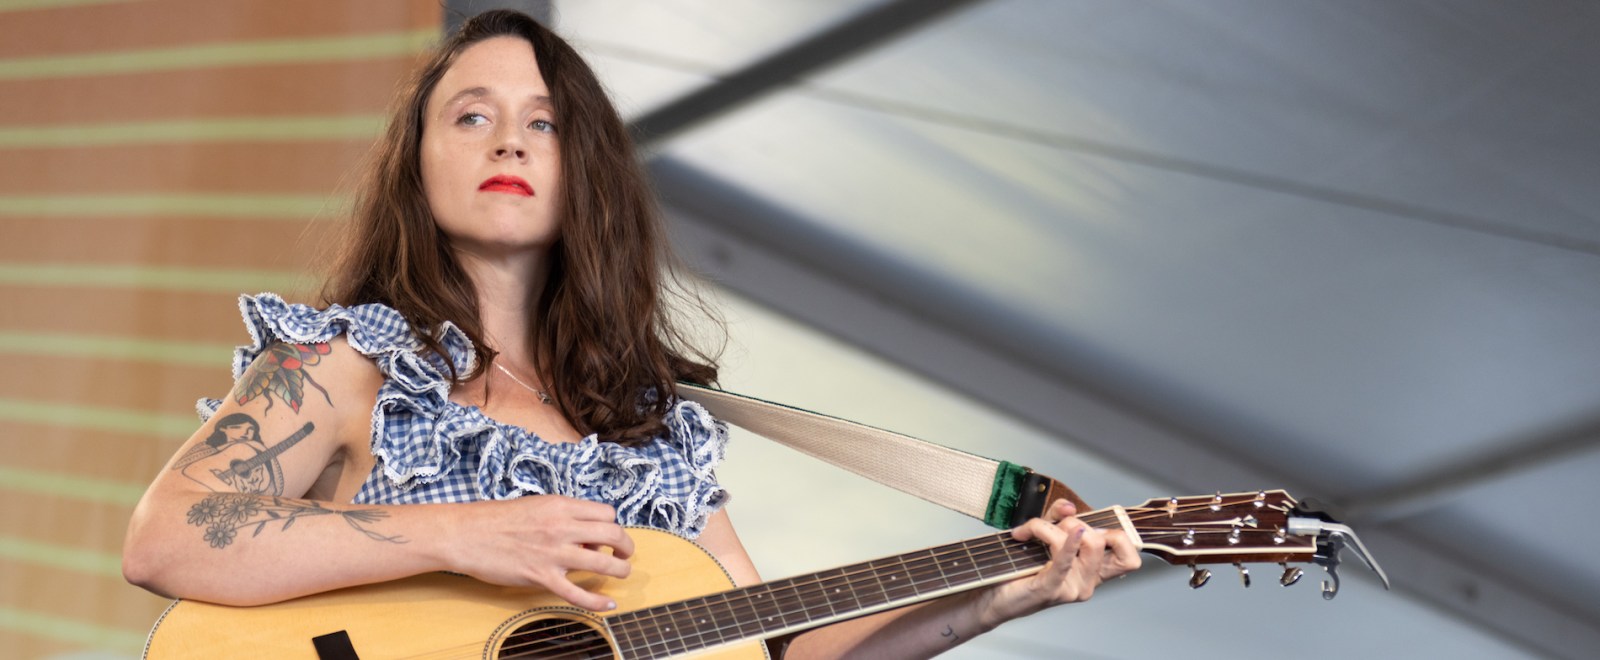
[1003, 498]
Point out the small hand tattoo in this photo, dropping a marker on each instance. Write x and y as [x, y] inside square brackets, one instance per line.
[951, 633]
[280, 372]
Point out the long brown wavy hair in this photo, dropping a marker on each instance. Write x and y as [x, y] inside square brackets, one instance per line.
[603, 338]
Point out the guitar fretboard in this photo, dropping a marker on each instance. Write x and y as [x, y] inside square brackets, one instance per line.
[790, 605]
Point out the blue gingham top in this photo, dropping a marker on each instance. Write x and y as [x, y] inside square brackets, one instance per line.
[429, 449]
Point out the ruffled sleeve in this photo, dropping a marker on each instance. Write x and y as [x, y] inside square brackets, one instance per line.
[429, 449]
[416, 382]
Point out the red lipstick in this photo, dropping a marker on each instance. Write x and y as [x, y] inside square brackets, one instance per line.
[507, 184]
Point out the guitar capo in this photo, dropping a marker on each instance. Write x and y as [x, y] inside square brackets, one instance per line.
[1311, 518]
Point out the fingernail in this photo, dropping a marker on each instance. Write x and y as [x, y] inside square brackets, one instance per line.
[611, 604]
[1081, 531]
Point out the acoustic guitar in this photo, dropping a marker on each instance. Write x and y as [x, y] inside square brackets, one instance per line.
[679, 600]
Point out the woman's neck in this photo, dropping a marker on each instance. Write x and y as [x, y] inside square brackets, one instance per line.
[508, 287]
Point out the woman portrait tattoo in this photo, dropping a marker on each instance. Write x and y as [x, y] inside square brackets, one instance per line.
[235, 459]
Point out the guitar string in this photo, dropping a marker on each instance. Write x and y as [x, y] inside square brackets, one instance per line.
[927, 578]
[704, 635]
[601, 646]
[734, 608]
[738, 606]
[996, 544]
[924, 573]
[1096, 518]
[922, 579]
[925, 562]
[1091, 518]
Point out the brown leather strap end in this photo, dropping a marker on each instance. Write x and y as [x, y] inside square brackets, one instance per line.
[1038, 493]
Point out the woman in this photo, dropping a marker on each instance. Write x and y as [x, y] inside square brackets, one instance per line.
[490, 390]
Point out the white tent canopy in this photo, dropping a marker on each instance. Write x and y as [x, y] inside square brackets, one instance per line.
[1162, 248]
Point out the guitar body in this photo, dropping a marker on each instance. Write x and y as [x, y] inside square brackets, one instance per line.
[445, 615]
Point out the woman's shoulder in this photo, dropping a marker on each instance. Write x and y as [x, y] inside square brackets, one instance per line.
[363, 345]
[372, 329]
[692, 431]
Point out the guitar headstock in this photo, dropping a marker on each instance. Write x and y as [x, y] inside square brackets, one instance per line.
[1240, 528]
[1221, 529]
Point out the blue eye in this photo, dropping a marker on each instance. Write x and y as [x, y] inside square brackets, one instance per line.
[472, 119]
[542, 126]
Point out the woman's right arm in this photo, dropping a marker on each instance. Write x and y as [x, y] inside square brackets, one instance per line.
[225, 521]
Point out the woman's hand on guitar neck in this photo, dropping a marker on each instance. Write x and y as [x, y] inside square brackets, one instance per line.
[1081, 558]
[536, 540]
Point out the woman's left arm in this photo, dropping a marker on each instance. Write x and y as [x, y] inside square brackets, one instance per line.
[1082, 558]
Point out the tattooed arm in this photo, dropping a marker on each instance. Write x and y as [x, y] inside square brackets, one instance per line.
[228, 520]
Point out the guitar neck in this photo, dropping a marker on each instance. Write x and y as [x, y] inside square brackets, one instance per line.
[791, 605]
[1238, 527]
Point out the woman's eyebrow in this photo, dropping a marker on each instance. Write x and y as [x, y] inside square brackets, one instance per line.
[470, 92]
[481, 92]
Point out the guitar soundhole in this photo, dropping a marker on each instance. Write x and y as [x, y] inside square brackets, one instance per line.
[556, 637]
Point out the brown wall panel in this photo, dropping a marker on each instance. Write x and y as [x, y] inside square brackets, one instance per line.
[126, 385]
[315, 89]
[97, 526]
[300, 168]
[238, 243]
[127, 458]
[120, 420]
[141, 314]
[166, 23]
[60, 593]
[32, 646]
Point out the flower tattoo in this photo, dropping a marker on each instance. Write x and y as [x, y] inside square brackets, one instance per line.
[223, 515]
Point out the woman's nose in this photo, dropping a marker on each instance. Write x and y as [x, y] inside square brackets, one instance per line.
[509, 150]
[511, 145]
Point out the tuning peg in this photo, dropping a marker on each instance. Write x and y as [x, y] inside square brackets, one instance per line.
[1200, 578]
[1244, 574]
[1291, 575]
[1330, 586]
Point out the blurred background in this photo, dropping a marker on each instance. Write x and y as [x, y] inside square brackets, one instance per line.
[1150, 247]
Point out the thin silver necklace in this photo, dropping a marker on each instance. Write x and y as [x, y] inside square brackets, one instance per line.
[543, 398]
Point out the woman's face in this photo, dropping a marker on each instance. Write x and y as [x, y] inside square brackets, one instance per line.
[491, 163]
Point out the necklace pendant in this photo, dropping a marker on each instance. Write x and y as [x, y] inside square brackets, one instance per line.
[543, 398]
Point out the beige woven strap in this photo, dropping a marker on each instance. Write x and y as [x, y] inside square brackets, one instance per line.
[953, 479]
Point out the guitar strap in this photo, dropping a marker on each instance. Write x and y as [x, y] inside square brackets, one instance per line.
[1000, 493]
